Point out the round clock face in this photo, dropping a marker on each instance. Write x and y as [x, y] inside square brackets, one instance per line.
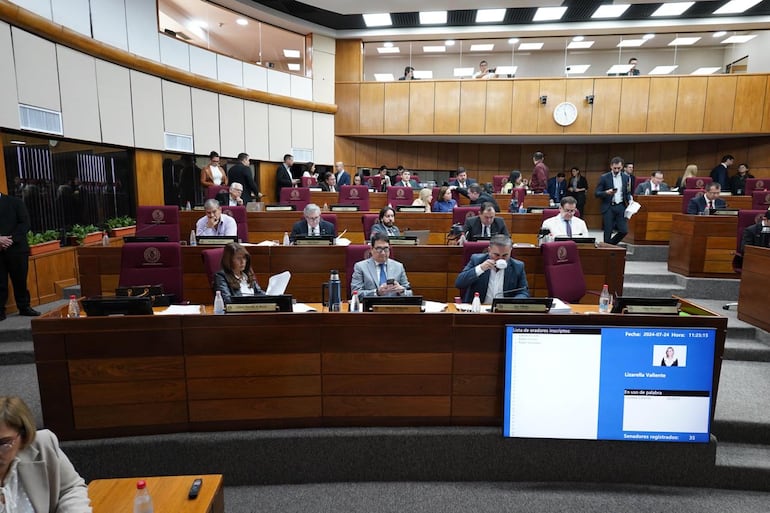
[565, 113]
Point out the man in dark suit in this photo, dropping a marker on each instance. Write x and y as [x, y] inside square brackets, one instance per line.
[283, 176]
[494, 274]
[652, 186]
[312, 225]
[557, 187]
[461, 180]
[232, 198]
[614, 189]
[241, 173]
[485, 224]
[708, 200]
[719, 173]
[342, 176]
[752, 236]
[406, 180]
[14, 254]
[475, 193]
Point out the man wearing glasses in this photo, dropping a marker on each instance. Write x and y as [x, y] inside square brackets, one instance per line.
[566, 224]
[312, 225]
[215, 222]
[493, 273]
[380, 275]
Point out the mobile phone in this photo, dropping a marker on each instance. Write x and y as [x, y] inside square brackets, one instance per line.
[195, 489]
[390, 281]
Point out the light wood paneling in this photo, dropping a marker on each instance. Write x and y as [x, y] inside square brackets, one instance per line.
[556, 91]
[750, 103]
[472, 106]
[347, 119]
[606, 113]
[349, 61]
[421, 119]
[498, 116]
[766, 116]
[633, 104]
[690, 104]
[148, 168]
[397, 107]
[387, 154]
[661, 110]
[371, 118]
[720, 104]
[525, 106]
[447, 156]
[576, 91]
[447, 115]
[428, 156]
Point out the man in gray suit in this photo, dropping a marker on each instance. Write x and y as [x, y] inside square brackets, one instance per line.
[652, 186]
[380, 275]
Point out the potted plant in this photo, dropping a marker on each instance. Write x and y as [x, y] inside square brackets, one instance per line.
[80, 235]
[121, 226]
[43, 242]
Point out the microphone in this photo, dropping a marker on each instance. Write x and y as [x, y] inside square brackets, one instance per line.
[511, 291]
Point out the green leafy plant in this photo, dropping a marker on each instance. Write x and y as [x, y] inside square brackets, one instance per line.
[79, 231]
[39, 238]
[120, 222]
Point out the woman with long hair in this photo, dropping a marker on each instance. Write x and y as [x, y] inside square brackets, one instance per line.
[236, 278]
[689, 172]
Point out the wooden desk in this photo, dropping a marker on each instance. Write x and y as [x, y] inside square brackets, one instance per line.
[432, 270]
[755, 282]
[702, 246]
[169, 494]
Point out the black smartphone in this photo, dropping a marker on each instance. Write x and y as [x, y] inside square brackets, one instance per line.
[390, 281]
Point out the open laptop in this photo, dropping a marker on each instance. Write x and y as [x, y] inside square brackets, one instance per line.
[421, 235]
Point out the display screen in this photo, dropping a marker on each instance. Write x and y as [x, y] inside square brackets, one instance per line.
[609, 383]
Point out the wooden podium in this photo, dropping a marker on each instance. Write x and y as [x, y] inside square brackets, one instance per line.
[755, 282]
[702, 246]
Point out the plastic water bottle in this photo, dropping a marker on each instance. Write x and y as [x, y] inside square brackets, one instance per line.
[604, 300]
[354, 303]
[335, 298]
[286, 240]
[187, 206]
[73, 310]
[514, 205]
[476, 304]
[142, 500]
[219, 304]
[193, 240]
[105, 239]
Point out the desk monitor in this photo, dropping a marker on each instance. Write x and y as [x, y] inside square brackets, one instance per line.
[99, 306]
[646, 305]
[279, 208]
[624, 383]
[345, 208]
[421, 235]
[402, 240]
[250, 304]
[522, 304]
[215, 240]
[314, 240]
[146, 239]
[391, 303]
[410, 208]
[577, 240]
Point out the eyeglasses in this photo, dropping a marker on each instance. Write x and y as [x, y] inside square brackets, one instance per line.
[381, 249]
[8, 445]
[567, 211]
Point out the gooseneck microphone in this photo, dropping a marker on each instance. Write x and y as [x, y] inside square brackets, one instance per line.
[510, 291]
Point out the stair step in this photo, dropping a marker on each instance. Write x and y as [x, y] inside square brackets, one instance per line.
[17, 353]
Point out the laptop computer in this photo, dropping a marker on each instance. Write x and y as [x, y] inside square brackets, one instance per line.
[422, 236]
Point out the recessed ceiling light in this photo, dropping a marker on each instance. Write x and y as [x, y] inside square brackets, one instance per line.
[578, 38]
[434, 49]
[513, 40]
[393, 49]
[424, 74]
[672, 9]
[647, 37]
[663, 70]
[490, 15]
[631, 43]
[549, 13]
[388, 44]
[463, 72]
[242, 22]
[384, 77]
[738, 39]
[684, 41]
[610, 11]
[576, 69]
[580, 45]
[291, 54]
[719, 34]
[18, 142]
[293, 66]
[736, 6]
[199, 24]
[378, 19]
[619, 69]
[705, 71]
[505, 70]
[432, 17]
[449, 42]
[530, 46]
[482, 48]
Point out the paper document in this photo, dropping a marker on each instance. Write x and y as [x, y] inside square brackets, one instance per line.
[434, 307]
[181, 310]
[302, 307]
[278, 283]
[560, 307]
[632, 208]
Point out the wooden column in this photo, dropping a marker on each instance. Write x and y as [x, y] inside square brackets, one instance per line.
[148, 176]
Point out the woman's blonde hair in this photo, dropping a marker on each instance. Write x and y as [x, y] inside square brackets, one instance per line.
[15, 414]
[690, 171]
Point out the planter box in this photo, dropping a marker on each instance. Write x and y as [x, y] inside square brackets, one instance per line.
[91, 238]
[125, 231]
[44, 247]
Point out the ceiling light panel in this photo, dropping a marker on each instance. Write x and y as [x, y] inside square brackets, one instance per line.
[619, 69]
[580, 45]
[434, 49]
[424, 74]
[463, 72]
[384, 77]
[490, 15]
[377, 20]
[291, 54]
[392, 49]
[432, 17]
[738, 39]
[293, 66]
[610, 11]
[482, 48]
[705, 71]
[530, 46]
[672, 9]
[549, 13]
[576, 69]
[736, 6]
[631, 43]
[662, 70]
[684, 41]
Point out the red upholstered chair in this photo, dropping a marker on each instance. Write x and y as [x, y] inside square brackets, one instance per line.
[369, 220]
[239, 214]
[697, 182]
[375, 182]
[520, 193]
[746, 218]
[213, 190]
[354, 253]
[756, 184]
[212, 262]
[354, 195]
[638, 180]
[687, 196]
[330, 218]
[398, 195]
[309, 181]
[563, 271]
[152, 264]
[460, 214]
[760, 200]
[470, 249]
[435, 192]
[498, 182]
[297, 196]
[158, 221]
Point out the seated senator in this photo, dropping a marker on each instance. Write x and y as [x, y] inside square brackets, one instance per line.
[424, 198]
[215, 222]
[328, 182]
[386, 223]
[752, 235]
[485, 224]
[565, 224]
[36, 476]
[556, 187]
[708, 200]
[236, 278]
[494, 274]
[233, 198]
[445, 202]
[370, 276]
[312, 224]
[652, 186]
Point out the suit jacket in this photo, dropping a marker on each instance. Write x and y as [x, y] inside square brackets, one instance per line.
[645, 188]
[366, 277]
[207, 179]
[606, 182]
[220, 284]
[381, 228]
[556, 189]
[282, 179]
[242, 174]
[411, 183]
[515, 278]
[51, 482]
[719, 175]
[300, 228]
[472, 227]
[468, 183]
[343, 178]
[483, 198]
[738, 184]
[698, 204]
[752, 236]
[224, 199]
[326, 188]
[14, 222]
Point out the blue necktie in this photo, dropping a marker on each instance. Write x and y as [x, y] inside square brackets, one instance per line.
[569, 228]
[383, 274]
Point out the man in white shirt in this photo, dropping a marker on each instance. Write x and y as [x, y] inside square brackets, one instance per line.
[652, 186]
[215, 222]
[566, 224]
[233, 198]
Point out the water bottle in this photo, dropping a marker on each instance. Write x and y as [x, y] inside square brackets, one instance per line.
[354, 303]
[604, 300]
[514, 205]
[335, 298]
[219, 304]
[73, 310]
[105, 239]
[142, 500]
[193, 240]
[187, 206]
[476, 304]
[286, 240]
